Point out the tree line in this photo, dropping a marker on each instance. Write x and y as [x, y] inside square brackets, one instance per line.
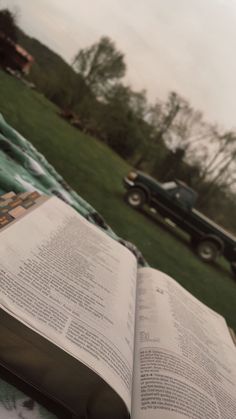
[168, 139]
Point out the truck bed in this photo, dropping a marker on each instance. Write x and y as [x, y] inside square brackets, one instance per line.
[213, 224]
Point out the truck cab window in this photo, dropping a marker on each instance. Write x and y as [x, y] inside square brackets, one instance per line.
[168, 186]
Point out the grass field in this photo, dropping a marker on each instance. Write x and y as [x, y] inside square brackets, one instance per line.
[95, 172]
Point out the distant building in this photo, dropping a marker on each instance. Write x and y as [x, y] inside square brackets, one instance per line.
[13, 56]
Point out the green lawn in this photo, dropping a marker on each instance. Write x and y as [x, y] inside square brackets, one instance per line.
[95, 172]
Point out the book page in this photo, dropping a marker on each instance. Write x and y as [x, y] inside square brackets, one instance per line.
[74, 285]
[185, 360]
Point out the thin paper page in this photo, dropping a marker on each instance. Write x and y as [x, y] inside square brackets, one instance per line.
[70, 282]
[185, 360]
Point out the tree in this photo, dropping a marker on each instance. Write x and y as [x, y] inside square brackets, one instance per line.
[191, 133]
[222, 155]
[122, 127]
[8, 24]
[161, 118]
[171, 164]
[101, 65]
[139, 104]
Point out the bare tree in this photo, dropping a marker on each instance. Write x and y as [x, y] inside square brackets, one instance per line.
[222, 156]
[160, 117]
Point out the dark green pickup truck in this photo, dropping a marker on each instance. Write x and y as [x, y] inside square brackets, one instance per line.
[175, 201]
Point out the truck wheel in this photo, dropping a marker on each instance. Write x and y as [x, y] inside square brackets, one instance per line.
[135, 197]
[233, 268]
[207, 250]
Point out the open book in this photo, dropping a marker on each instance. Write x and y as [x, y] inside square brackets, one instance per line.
[100, 338]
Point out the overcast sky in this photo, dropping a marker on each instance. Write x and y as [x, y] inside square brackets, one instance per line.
[182, 45]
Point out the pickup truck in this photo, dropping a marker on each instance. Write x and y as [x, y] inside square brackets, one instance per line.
[175, 201]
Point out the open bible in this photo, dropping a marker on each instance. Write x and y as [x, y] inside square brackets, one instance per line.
[97, 336]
